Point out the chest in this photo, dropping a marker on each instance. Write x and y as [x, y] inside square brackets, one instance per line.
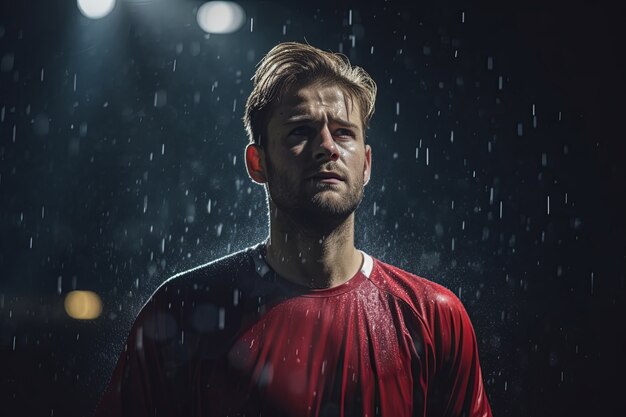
[306, 354]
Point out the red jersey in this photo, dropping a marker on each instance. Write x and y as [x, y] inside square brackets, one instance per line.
[232, 338]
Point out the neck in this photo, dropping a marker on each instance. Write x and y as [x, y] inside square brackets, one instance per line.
[310, 256]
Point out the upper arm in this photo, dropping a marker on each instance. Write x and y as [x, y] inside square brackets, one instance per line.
[151, 368]
[459, 388]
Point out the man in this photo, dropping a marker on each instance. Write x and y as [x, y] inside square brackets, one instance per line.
[303, 324]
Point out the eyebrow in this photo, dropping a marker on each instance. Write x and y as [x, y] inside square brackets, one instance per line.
[307, 119]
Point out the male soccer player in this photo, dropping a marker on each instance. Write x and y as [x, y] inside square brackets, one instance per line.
[303, 324]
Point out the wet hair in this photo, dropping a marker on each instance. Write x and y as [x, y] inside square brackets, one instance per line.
[292, 64]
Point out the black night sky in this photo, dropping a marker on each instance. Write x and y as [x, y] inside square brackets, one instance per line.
[498, 146]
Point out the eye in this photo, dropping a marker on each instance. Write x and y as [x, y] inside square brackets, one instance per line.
[300, 131]
[345, 133]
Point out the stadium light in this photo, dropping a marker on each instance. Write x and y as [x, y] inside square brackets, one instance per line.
[83, 305]
[220, 17]
[95, 9]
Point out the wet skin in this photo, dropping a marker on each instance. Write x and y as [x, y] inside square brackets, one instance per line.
[315, 165]
[316, 156]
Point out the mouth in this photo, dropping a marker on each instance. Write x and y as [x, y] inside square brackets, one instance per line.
[326, 178]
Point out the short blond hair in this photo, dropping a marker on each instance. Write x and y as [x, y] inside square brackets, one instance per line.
[291, 63]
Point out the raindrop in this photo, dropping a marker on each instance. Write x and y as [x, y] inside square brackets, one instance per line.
[160, 98]
[7, 62]
[221, 318]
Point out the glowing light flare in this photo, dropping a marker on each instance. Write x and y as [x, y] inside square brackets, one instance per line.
[95, 9]
[83, 305]
[220, 17]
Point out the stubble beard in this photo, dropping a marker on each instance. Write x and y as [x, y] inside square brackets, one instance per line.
[311, 206]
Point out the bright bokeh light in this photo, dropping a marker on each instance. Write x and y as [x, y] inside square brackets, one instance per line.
[83, 305]
[220, 17]
[95, 9]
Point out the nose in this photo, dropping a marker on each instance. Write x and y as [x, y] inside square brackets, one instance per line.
[327, 148]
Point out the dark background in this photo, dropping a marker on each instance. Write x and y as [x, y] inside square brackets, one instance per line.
[106, 186]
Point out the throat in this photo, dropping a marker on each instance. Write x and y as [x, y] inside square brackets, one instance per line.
[314, 261]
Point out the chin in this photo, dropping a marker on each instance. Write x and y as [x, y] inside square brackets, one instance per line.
[326, 206]
[323, 207]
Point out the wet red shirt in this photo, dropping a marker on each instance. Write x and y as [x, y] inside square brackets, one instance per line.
[232, 338]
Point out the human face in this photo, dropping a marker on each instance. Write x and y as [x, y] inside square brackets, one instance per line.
[316, 158]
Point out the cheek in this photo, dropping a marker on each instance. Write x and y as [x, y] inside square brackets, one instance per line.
[283, 167]
[354, 156]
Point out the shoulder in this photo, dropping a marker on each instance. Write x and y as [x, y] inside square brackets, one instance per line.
[431, 301]
[198, 298]
[216, 277]
[411, 287]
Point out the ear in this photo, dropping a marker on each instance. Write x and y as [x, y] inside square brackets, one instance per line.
[255, 163]
[367, 165]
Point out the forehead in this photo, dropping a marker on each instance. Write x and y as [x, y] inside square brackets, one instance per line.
[324, 102]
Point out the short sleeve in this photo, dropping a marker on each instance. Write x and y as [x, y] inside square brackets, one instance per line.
[458, 388]
[149, 372]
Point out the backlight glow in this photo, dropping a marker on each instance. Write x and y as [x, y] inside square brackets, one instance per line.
[220, 17]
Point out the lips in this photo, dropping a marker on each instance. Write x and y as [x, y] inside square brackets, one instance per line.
[327, 175]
